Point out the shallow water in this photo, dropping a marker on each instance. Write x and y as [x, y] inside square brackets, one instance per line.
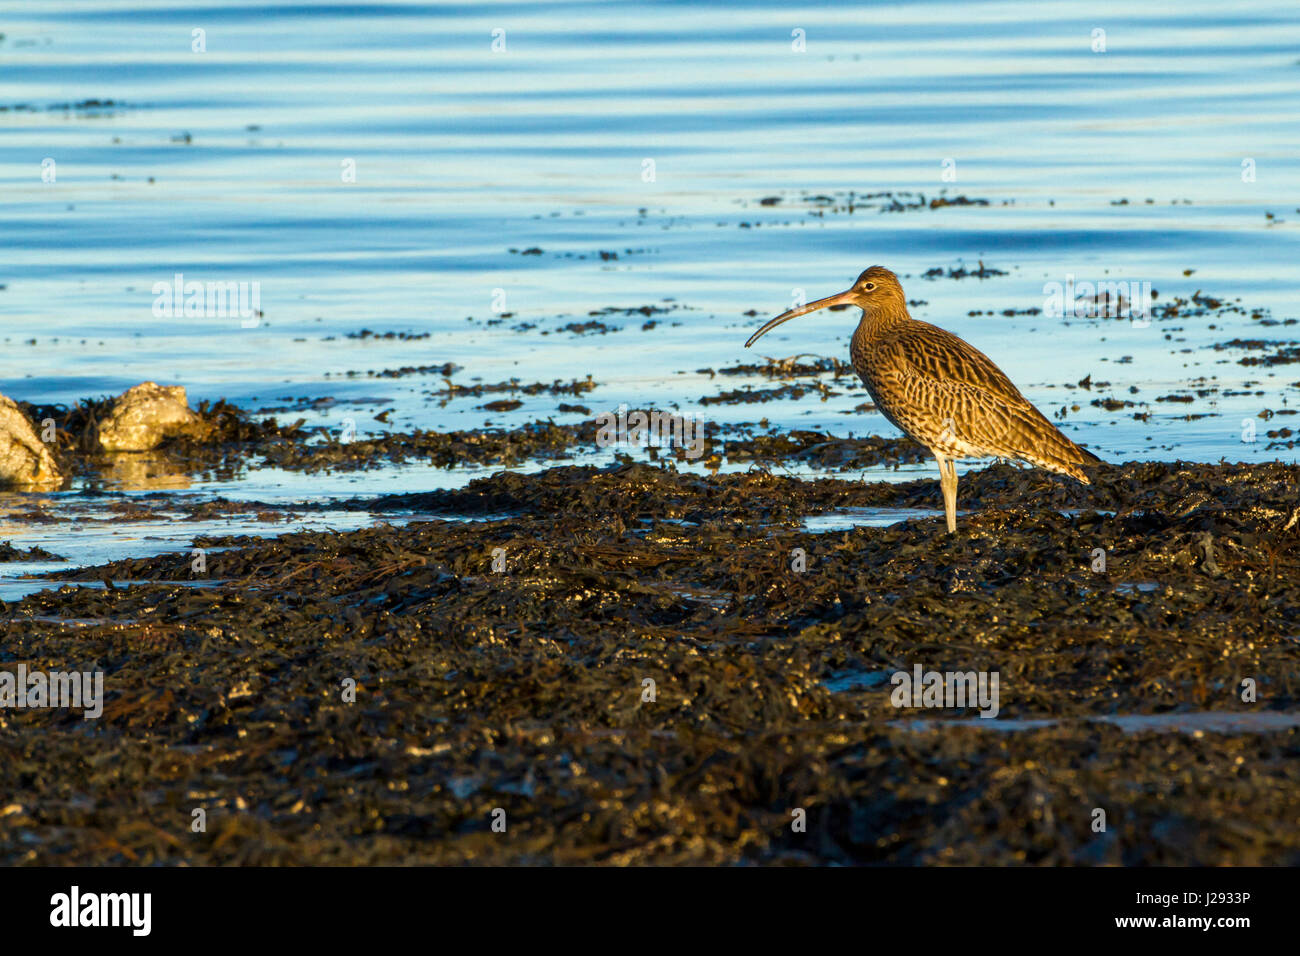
[92, 541]
[1195, 723]
[846, 519]
[86, 537]
[229, 165]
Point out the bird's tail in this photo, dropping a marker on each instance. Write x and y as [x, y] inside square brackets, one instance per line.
[1039, 442]
[1065, 458]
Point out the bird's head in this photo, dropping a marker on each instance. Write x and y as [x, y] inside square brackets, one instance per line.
[876, 292]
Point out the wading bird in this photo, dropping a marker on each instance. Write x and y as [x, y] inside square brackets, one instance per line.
[939, 391]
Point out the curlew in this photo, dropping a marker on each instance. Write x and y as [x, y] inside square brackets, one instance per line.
[940, 391]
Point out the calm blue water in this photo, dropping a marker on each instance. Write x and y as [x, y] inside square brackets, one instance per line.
[232, 164]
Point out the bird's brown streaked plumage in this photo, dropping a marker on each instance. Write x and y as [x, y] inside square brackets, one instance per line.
[941, 391]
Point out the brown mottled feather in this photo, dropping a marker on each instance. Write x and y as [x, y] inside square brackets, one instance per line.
[949, 396]
[940, 391]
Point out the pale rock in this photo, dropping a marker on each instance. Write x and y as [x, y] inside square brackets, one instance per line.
[25, 461]
[146, 415]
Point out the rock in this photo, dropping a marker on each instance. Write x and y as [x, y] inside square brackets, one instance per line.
[144, 416]
[25, 461]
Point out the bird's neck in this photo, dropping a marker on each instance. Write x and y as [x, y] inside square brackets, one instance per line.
[876, 321]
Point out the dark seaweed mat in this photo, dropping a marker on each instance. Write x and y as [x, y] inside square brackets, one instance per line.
[238, 440]
[9, 553]
[522, 690]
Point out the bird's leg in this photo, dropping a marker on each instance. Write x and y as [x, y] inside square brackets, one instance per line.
[950, 500]
[948, 484]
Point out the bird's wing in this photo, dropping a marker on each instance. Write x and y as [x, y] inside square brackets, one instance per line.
[930, 352]
[946, 388]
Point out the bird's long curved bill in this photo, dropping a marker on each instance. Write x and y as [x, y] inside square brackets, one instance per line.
[842, 298]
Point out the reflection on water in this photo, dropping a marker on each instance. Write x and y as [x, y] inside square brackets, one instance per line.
[145, 471]
[379, 167]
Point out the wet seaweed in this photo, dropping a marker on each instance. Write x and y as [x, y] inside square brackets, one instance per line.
[501, 664]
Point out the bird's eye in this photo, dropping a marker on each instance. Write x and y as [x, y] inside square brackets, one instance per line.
[869, 286]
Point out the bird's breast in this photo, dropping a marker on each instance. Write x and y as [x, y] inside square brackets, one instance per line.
[906, 411]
